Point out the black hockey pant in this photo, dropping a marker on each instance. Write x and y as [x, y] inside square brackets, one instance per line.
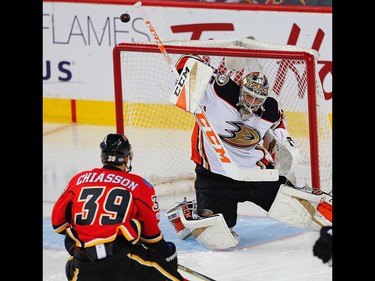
[136, 264]
[222, 194]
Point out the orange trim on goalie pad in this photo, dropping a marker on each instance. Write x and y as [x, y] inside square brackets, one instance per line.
[177, 223]
[181, 100]
[326, 210]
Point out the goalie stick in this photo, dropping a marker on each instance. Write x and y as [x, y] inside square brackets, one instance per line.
[156, 37]
[224, 158]
[195, 273]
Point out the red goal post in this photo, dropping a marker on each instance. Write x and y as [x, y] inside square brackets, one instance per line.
[160, 132]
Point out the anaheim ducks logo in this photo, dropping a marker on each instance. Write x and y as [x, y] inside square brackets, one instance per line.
[241, 135]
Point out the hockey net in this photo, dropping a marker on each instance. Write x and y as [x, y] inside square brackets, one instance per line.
[160, 132]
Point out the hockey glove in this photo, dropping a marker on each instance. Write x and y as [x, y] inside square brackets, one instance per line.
[172, 254]
[323, 246]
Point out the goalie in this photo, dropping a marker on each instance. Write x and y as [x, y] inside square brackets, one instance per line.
[252, 128]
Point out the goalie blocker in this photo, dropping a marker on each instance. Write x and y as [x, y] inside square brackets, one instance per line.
[297, 207]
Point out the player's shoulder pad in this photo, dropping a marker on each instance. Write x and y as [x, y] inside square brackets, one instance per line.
[227, 89]
[271, 110]
[148, 183]
[139, 180]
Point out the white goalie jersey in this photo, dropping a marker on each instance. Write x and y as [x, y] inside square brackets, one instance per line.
[241, 138]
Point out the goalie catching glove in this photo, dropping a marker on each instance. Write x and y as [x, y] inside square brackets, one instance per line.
[285, 154]
[211, 230]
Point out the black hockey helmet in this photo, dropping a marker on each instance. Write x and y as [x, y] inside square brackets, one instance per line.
[115, 148]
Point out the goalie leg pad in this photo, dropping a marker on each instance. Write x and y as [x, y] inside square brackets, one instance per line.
[294, 207]
[212, 232]
[174, 216]
[323, 214]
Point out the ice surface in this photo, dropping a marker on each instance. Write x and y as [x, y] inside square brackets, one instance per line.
[268, 250]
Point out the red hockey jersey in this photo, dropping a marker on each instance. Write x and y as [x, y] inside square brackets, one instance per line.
[100, 204]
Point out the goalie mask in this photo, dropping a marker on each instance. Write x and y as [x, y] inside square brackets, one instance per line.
[114, 150]
[253, 93]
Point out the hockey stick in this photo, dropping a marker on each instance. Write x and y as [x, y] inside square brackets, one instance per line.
[195, 273]
[204, 123]
[156, 37]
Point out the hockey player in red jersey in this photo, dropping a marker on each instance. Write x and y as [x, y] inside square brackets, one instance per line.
[110, 221]
[250, 124]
